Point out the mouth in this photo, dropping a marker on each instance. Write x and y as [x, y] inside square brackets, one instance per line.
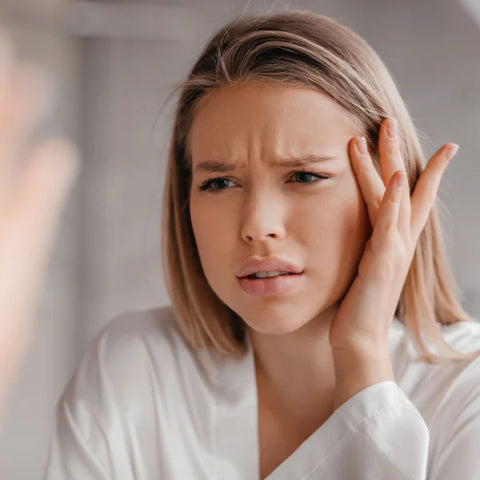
[272, 286]
[253, 277]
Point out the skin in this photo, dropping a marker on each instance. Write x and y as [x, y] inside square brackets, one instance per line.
[354, 238]
[34, 182]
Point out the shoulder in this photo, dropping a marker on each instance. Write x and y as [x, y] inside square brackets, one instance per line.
[463, 336]
[132, 335]
[455, 420]
[464, 386]
[136, 381]
[433, 387]
[133, 338]
[132, 354]
[136, 323]
[137, 368]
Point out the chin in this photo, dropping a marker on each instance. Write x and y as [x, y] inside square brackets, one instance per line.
[274, 329]
[285, 320]
[270, 323]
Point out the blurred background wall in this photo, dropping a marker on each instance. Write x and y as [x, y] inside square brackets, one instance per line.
[114, 65]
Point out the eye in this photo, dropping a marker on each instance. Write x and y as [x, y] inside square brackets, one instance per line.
[305, 173]
[212, 183]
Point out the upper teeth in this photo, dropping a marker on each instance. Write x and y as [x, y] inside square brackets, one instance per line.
[272, 273]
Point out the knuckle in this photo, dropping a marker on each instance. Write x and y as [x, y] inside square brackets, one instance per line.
[393, 147]
[389, 226]
[430, 193]
[364, 170]
[431, 170]
[395, 196]
[431, 196]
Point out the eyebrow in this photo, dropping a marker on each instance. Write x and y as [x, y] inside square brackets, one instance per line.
[221, 166]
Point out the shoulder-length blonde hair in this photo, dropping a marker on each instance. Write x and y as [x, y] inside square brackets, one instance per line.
[300, 49]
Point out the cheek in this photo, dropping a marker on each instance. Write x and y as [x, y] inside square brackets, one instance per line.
[354, 231]
[211, 222]
[338, 230]
[203, 228]
[212, 233]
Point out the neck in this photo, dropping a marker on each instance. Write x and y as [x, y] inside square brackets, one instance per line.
[294, 371]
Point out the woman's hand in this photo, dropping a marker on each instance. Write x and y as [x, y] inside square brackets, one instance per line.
[359, 329]
[34, 181]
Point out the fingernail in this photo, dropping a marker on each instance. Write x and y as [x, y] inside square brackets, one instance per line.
[392, 127]
[451, 151]
[401, 179]
[361, 145]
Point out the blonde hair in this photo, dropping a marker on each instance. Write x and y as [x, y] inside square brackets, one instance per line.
[299, 49]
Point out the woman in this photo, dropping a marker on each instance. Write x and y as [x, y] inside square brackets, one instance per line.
[292, 157]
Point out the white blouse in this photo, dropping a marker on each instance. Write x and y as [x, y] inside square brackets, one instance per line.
[142, 405]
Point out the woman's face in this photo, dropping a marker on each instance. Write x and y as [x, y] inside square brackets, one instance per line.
[262, 210]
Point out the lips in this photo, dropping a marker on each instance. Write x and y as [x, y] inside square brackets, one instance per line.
[266, 264]
[274, 286]
[253, 277]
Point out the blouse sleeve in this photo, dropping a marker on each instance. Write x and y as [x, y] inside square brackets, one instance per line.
[384, 436]
[376, 434]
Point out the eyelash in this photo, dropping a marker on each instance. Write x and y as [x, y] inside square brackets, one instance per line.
[205, 186]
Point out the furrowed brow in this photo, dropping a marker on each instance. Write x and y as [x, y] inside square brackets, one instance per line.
[221, 166]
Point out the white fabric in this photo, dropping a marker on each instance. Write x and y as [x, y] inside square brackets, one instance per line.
[143, 406]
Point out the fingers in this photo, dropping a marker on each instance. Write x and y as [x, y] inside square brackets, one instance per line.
[371, 185]
[393, 209]
[426, 188]
[24, 93]
[41, 187]
[382, 247]
[388, 213]
[28, 222]
[389, 149]
[390, 161]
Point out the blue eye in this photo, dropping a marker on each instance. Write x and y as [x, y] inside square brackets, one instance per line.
[213, 181]
[304, 173]
[207, 185]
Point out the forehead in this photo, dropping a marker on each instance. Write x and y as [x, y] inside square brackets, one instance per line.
[253, 119]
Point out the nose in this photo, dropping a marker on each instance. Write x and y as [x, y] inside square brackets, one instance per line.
[263, 219]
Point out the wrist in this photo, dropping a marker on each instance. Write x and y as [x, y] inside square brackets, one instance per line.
[358, 367]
